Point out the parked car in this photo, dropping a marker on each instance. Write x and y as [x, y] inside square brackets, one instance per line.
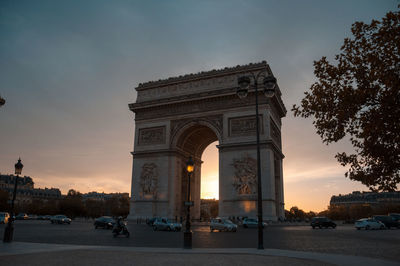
[389, 221]
[4, 216]
[395, 216]
[369, 223]
[106, 222]
[251, 222]
[60, 219]
[222, 225]
[22, 216]
[322, 222]
[165, 224]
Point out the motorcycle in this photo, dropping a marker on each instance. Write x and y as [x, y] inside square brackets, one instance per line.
[120, 229]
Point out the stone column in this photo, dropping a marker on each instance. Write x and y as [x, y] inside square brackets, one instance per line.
[268, 184]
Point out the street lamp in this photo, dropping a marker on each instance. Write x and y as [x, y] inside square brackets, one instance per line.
[269, 91]
[187, 235]
[8, 232]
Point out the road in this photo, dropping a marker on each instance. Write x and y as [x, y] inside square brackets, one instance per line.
[345, 239]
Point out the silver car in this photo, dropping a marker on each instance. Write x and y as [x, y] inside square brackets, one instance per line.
[222, 225]
[251, 222]
[166, 225]
[369, 223]
[60, 219]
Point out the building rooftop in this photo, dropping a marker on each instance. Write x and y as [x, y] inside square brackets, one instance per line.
[202, 74]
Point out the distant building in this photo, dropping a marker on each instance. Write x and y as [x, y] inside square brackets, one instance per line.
[25, 189]
[103, 196]
[374, 199]
[208, 208]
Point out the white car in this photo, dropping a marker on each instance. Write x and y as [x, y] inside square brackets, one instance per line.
[4, 216]
[251, 222]
[222, 225]
[369, 223]
[166, 225]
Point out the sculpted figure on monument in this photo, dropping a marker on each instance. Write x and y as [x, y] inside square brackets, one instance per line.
[245, 181]
[149, 178]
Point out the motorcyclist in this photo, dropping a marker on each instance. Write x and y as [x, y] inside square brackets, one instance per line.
[120, 222]
[120, 227]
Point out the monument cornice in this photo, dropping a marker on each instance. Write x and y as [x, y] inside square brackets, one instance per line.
[184, 98]
[235, 146]
[203, 75]
[248, 199]
[195, 103]
[160, 152]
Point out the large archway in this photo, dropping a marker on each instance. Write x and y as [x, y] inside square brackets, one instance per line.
[193, 139]
[179, 117]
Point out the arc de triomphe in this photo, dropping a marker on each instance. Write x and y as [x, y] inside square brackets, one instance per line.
[179, 117]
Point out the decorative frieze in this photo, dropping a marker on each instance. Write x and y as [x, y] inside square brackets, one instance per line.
[151, 136]
[187, 88]
[245, 181]
[244, 126]
[203, 81]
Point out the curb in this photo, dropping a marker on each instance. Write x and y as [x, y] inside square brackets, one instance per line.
[17, 248]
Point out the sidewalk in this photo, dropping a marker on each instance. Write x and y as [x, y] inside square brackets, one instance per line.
[23, 253]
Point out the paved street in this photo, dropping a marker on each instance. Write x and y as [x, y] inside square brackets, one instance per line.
[383, 244]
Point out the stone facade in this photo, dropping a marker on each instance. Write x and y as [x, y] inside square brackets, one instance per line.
[25, 189]
[375, 199]
[179, 117]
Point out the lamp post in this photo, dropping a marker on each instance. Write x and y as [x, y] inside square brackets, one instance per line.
[9, 231]
[269, 91]
[187, 235]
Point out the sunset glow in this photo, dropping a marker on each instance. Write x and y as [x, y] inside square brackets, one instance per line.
[209, 173]
[68, 73]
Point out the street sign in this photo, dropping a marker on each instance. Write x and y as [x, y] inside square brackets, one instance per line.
[189, 203]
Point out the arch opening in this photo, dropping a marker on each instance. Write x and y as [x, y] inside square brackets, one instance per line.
[199, 141]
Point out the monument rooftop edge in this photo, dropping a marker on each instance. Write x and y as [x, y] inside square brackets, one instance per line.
[213, 82]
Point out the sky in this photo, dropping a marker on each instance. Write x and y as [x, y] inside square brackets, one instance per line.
[68, 70]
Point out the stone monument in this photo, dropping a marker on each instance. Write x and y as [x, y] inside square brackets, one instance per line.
[179, 117]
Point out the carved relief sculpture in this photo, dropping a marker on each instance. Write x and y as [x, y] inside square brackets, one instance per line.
[151, 136]
[245, 181]
[149, 179]
[243, 126]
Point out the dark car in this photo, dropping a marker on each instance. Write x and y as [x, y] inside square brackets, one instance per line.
[104, 222]
[388, 221]
[395, 216]
[322, 222]
[22, 216]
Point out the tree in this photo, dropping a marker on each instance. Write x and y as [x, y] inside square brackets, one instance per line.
[72, 193]
[72, 205]
[297, 213]
[359, 97]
